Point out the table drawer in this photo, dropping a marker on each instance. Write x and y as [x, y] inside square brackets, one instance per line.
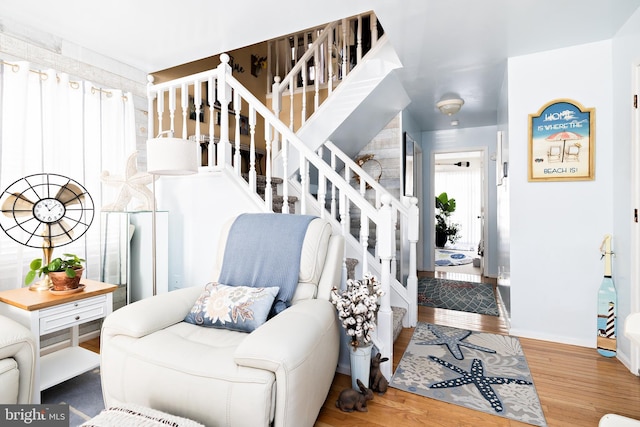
[73, 313]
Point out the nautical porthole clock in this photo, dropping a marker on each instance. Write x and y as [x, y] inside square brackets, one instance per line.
[45, 211]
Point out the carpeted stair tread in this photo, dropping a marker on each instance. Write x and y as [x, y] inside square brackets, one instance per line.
[398, 314]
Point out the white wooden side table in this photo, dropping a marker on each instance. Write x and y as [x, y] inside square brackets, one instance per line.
[43, 312]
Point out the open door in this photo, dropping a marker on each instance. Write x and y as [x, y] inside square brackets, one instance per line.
[461, 174]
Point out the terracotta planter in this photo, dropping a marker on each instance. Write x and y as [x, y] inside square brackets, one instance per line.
[63, 283]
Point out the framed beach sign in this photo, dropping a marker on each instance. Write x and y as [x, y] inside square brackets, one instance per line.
[562, 142]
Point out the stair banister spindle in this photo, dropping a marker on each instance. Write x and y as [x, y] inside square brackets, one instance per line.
[291, 99]
[268, 192]
[237, 159]
[344, 49]
[211, 100]
[285, 172]
[364, 241]
[303, 110]
[333, 187]
[197, 102]
[224, 93]
[304, 184]
[276, 97]
[252, 148]
[316, 80]
[359, 40]
[322, 188]
[160, 110]
[270, 48]
[184, 105]
[172, 108]
[330, 52]
[373, 21]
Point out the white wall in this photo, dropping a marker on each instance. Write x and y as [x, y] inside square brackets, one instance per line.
[626, 56]
[198, 207]
[557, 227]
[464, 139]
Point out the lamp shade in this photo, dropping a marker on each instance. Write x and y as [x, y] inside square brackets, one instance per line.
[172, 156]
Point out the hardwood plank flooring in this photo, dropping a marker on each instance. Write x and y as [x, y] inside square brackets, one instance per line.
[576, 386]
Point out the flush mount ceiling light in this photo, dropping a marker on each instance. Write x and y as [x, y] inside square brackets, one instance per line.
[450, 106]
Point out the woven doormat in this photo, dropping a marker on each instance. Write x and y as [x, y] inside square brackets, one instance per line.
[457, 295]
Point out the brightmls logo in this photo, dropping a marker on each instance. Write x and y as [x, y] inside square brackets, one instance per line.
[34, 415]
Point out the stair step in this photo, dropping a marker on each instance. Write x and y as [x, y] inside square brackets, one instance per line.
[277, 201]
[398, 314]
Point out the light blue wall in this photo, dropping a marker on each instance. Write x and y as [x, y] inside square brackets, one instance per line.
[626, 57]
[556, 228]
[460, 140]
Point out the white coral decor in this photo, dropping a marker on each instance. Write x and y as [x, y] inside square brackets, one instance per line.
[357, 307]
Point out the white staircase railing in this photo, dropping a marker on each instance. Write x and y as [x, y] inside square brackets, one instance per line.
[405, 217]
[226, 98]
[324, 58]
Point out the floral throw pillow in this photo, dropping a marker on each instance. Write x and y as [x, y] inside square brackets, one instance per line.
[239, 308]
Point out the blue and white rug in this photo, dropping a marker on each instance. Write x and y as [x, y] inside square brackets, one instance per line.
[447, 258]
[480, 371]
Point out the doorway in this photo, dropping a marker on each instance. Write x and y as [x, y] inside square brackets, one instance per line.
[460, 174]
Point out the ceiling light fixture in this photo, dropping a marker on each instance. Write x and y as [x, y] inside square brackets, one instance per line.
[450, 106]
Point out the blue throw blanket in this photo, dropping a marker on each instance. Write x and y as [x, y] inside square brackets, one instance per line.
[264, 250]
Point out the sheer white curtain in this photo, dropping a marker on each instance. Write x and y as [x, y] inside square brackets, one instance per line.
[464, 185]
[50, 123]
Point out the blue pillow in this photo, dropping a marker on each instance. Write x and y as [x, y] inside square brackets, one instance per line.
[238, 308]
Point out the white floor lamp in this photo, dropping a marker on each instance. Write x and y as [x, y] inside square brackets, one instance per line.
[168, 156]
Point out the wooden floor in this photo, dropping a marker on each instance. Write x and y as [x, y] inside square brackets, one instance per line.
[576, 386]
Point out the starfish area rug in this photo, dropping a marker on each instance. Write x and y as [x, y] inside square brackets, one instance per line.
[477, 370]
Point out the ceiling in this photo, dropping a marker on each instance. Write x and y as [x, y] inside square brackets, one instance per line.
[446, 46]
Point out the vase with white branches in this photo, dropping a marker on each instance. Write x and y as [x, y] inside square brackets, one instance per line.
[357, 306]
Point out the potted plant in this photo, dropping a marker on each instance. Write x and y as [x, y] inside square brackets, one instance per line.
[445, 229]
[65, 273]
[357, 306]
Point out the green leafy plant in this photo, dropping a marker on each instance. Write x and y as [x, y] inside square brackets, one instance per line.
[446, 206]
[68, 264]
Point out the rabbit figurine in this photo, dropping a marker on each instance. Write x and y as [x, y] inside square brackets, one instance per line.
[377, 381]
[351, 399]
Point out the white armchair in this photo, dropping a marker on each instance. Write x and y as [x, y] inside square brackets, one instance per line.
[279, 374]
[17, 362]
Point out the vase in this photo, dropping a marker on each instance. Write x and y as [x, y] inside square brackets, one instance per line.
[441, 239]
[61, 282]
[360, 359]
